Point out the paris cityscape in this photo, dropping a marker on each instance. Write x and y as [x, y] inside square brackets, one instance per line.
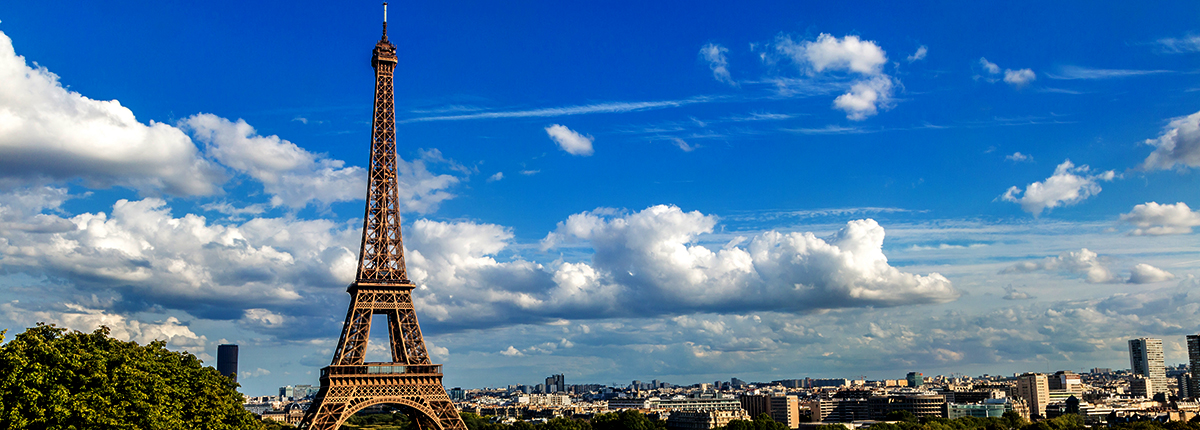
[770, 216]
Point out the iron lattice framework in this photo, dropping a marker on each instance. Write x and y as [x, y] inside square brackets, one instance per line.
[350, 384]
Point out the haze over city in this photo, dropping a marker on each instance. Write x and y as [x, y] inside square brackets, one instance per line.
[677, 191]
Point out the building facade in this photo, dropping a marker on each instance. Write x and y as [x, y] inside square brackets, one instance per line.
[227, 361]
[786, 410]
[1193, 346]
[1034, 388]
[704, 420]
[1146, 359]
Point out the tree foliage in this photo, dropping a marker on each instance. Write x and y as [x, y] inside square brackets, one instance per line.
[54, 379]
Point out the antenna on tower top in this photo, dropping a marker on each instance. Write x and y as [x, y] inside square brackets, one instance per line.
[385, 12]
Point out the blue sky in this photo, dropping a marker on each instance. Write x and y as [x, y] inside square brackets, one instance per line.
[685, 191]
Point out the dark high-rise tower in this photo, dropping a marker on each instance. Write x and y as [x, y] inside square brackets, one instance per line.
[227, 359]
[410, 380]
[1193, 345]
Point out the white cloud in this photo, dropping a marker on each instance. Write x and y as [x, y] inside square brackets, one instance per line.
[1067, 186]
[989, 67]
[49, 133]
[1018, 157]
[647, 263]
[1178, 145]
[1154, 219]
[498, 176]
[715, 56]
[847, 53]
[864, 95]
[1083, 262]
[870, 90]
[511, 352]
[922, 51]
[1019, 78]
[610, 107]
[1185, 44]
[1146, 274]
[295, 177]
[1088, 73]
[291, 175]
[570, 141]
[683, 145]
[259, 372]
[1011, 293]
[144, 255]
[81, 318]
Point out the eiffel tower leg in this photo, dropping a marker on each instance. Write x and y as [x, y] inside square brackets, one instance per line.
[323, 415]
[448, 415]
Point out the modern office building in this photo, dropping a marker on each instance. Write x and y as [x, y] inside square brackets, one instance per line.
[1066, 380]
[920, 403]
[916, 379]
[227, 361]
[1193, 345]
[755, 404]
[1146, 359]
[786, 410]
[1034, 388]
[839, 410]
[556, 384]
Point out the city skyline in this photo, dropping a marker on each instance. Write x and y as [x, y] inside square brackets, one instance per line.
[682, 191]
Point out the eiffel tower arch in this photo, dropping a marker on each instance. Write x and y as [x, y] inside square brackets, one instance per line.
[381, 287]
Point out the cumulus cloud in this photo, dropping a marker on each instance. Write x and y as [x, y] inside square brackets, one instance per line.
[81, 318]
[648, 263]
[1178, 145]
[1019, 78]
[990, 72]
[1154, 219]
[498, 176]
[145, 256]
[715, 56]
[570, 141]
[1094, 268]
[870, 90]
[1018, 157]
[295, 177]
[48, 133]
[1143, 273]
[860, 102]
[1067, 186]
[919, 55]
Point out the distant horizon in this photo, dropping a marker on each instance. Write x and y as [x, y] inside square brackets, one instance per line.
[690, 190]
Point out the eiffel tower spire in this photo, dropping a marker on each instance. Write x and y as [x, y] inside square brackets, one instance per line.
[381, 257]
[410, 380]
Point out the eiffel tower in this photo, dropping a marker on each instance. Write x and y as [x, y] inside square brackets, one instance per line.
[410, 380]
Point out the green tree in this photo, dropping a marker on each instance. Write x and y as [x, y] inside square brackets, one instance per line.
[624, 420]
[560, 423]
[54, 379]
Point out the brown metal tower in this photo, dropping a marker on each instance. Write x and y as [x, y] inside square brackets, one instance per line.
[349, 384]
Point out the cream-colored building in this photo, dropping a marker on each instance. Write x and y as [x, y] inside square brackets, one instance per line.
[1035, 389]
[704, 420]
